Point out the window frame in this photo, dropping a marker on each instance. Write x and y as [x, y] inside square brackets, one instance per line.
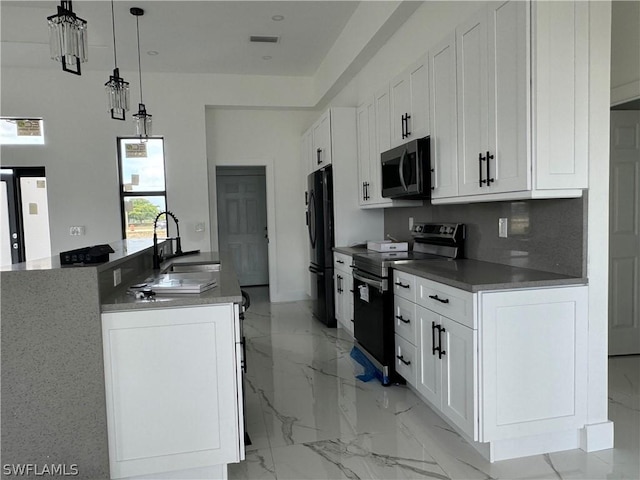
[124, 195]
[31, 119]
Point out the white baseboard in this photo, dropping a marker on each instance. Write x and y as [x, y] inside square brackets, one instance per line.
[597, 436]
[534, 445]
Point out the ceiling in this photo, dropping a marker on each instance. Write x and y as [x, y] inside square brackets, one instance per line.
[189, 36]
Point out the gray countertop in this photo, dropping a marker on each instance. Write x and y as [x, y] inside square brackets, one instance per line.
[226, 291]
[350, 250]
[474, 275]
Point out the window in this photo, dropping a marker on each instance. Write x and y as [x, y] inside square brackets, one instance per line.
[142, 186]
[21, 131]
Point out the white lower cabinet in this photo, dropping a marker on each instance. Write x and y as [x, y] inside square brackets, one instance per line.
[343, 290]
[173, 396]
[500, 366]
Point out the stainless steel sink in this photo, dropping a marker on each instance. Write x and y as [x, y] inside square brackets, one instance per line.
[191, 267]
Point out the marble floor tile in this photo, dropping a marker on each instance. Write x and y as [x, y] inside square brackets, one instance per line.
[309, 417]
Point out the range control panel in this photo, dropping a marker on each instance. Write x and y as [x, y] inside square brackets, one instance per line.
[450, 231]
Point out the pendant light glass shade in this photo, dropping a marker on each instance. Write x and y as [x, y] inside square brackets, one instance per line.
[68, 38]
[117, 89]
[143, 121]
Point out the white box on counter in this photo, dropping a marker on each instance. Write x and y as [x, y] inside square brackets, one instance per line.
[388, 246]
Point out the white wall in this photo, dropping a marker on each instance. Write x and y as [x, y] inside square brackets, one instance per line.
[625, 51]
[80, 155]
[270, 138]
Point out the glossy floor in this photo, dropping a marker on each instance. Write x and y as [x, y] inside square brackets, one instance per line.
[310, 418]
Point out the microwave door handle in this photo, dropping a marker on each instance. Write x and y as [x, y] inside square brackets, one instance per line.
[401, 168]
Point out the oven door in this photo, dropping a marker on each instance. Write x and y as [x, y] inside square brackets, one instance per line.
[372, 312]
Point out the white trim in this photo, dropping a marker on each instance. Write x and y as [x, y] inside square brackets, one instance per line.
[270, 178]
[598, 436]
[625, 93]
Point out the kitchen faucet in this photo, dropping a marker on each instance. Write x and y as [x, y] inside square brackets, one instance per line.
[157, 257]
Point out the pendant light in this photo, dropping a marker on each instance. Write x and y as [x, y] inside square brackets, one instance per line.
[117, 88]
[68, 38]
[142, 118]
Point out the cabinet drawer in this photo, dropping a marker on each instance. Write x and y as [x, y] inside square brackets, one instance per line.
[450, 302]
[342, 262]
[404, 315]
[406, 360]
[404, 285]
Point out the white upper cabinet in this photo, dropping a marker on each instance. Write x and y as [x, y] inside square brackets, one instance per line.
[521, 96]
[444, 129]
[306, 154]
[321, 142]
[369, 132]
[409, 96]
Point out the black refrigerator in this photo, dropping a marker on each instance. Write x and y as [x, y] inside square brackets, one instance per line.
[319, 199]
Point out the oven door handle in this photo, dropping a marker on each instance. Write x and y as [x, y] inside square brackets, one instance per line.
[379, 284]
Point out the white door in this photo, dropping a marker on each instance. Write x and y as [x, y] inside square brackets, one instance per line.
[444, 128]
[471, 59]
[429, 368]
[624, 240]
[242, 224]
[508, 98]
[417, 126]
[458, 372]
[400, 89]
[365, 129]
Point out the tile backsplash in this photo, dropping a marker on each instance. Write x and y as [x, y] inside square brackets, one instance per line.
[544, 235]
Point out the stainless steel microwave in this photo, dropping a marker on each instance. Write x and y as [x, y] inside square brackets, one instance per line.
[406, 170]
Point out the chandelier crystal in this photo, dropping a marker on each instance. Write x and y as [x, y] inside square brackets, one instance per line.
[68, 38]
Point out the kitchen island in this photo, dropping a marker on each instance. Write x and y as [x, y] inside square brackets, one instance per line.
[55, 410]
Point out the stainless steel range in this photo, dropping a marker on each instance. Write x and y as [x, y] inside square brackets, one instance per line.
[373, 297]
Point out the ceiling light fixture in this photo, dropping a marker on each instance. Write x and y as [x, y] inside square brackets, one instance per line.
[142, 118]
[117, 88]
[68, 38]
[277, 18]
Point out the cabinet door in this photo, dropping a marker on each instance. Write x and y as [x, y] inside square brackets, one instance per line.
[338, 297]
[171, 392]
[383, 120]
[322, 141]
[400, 96]
[418, 124]
[444, 127]
[508, 95]
[405, 360]
[367, 153]
[429, 379]
[347, 295]
[459, 379]
[533, 357]
[471, 60]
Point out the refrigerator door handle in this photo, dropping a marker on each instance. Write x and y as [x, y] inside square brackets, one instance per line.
[317, 271]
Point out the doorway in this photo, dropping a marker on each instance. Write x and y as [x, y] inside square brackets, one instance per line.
[24, 215]
[242, 221]
[624, 231]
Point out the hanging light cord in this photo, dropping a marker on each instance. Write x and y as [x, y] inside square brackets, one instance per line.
[139, 65]
[113, 29]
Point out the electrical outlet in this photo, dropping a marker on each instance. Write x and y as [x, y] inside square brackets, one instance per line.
[503, 227]
[410, 223]
[117, 277]
[76, 230]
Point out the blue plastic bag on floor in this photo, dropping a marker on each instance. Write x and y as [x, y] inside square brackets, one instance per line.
[370, 370]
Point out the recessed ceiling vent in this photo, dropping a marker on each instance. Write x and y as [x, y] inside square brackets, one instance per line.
[264, 39]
